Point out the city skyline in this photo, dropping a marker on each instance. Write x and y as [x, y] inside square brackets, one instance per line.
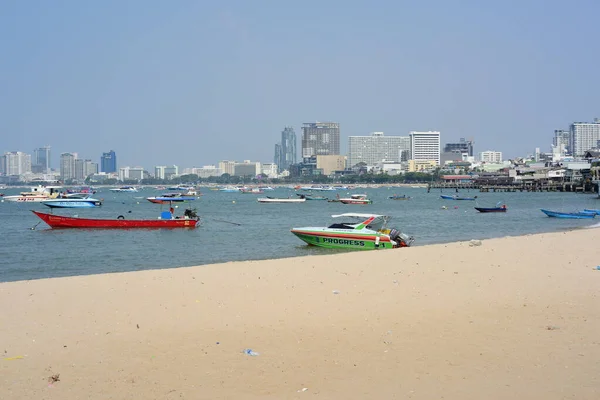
[192, 82]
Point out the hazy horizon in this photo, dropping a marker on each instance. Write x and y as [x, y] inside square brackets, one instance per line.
[191, 83]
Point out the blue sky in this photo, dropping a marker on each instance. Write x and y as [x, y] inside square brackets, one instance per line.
[193, 82]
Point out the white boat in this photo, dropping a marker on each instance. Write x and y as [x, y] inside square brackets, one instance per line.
[229, 189]
[124, 189]
[36, 194]
[280, 200]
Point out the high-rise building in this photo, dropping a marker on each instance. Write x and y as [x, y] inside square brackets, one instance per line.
[41, 160]
[462, 146]
[489, 156]
[84, 168]
[320, 139]
[285, 152]
[108, 162]
[227, 167]
[67, 166]
[562, 138]
[584, 136]
[159, 172]
[171, 172]
[376, 148]
[425, 146]
[15, 163]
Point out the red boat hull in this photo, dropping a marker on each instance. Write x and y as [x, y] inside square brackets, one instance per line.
[59, 221]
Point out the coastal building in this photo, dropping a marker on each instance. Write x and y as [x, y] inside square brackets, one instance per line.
[320, 139]
[67, 165]
[376, 148]
[462, 146]
[329, 164]
[15, 163]
[84, 168]
[204, 172]
[492, 157]
[108, 162]
[159, 171]
[270, 170]
[227, 167]
[425, 146]
[285, 151]
[171, 172]
[131, 173]
[584, 136]
[562, 138]
[246, 168]
[421, 165]
[41, 162]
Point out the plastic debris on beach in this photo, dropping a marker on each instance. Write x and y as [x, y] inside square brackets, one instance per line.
[250, 352]
[302, 390]
[336, 292]
[474, 242]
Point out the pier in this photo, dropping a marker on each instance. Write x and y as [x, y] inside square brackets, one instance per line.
[577, 187]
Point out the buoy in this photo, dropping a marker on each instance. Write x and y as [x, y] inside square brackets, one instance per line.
[233, 201]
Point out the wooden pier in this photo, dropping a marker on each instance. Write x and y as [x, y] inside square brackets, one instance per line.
[518, 187]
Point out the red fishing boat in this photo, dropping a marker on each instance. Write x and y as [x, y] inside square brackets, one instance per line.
[189, 220]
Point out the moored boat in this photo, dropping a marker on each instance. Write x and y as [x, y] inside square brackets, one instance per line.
[170, 197]
[356, 199]
[125, 189]
[597, 212]
[491, 209]
[456, 197]
[189, 220]
[281, 200]
[36, 194]
[570, 215]
[360, 232]
[398, 197]
[73, 201]
[311, 197]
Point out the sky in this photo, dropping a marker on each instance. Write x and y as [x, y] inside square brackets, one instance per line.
[195, 82]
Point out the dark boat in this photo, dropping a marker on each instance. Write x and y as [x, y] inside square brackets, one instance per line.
[398, 197]
[491, 209]
[189, 220]
[456, 197]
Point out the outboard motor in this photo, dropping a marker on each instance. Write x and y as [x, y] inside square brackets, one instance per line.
[190, 213]
[400, 238]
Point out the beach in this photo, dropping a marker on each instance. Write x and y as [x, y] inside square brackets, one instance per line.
[514, 317]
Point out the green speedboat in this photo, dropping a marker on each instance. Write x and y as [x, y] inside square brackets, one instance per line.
[358, 232]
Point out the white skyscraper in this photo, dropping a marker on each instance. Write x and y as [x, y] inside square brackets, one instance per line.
[67, 165]
[425, 146]
[16, 163]
[376, 148]
[584, 136]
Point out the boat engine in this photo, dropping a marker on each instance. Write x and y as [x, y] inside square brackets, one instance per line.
[400, 238]
[190, 213]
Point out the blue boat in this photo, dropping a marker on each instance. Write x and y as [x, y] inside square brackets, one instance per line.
[597, 212]
[456, 197]
[571, 215]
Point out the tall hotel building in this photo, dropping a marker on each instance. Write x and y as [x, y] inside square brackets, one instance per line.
[15, 163]
[376, 148]
[285, 152]
[41, 160]
[562, 140]
[320, 139]
[425, 146]
[108, 162]
[67, 165]
[584, 136]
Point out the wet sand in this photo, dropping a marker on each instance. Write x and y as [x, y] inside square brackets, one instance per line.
[511, 318]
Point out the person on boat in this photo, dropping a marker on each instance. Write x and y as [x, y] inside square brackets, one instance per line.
[172, 211]
[504, 206]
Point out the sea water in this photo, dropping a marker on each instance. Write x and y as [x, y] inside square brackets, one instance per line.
[236, 227]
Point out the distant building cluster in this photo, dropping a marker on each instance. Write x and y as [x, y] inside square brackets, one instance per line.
[419, 151]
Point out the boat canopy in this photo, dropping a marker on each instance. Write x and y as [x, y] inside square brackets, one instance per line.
[374, 221]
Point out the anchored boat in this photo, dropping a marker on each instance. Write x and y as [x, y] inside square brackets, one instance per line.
[358, 231]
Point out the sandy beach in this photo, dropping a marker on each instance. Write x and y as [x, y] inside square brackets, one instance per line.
[511, 318]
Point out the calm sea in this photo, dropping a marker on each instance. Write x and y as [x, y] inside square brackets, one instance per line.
[236, 227]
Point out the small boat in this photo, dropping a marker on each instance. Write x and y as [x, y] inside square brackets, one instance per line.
[185, 188]
[170, 197]
[252, 191]
[571, 215]
[398, 197]
[73, 201]
[356, 199]
[36, 194]
[280, 200]
[311, 197]
[229, 189]
[129, 189]
[456, 197]
[491, 209]
[189, 220]
[360, 232]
